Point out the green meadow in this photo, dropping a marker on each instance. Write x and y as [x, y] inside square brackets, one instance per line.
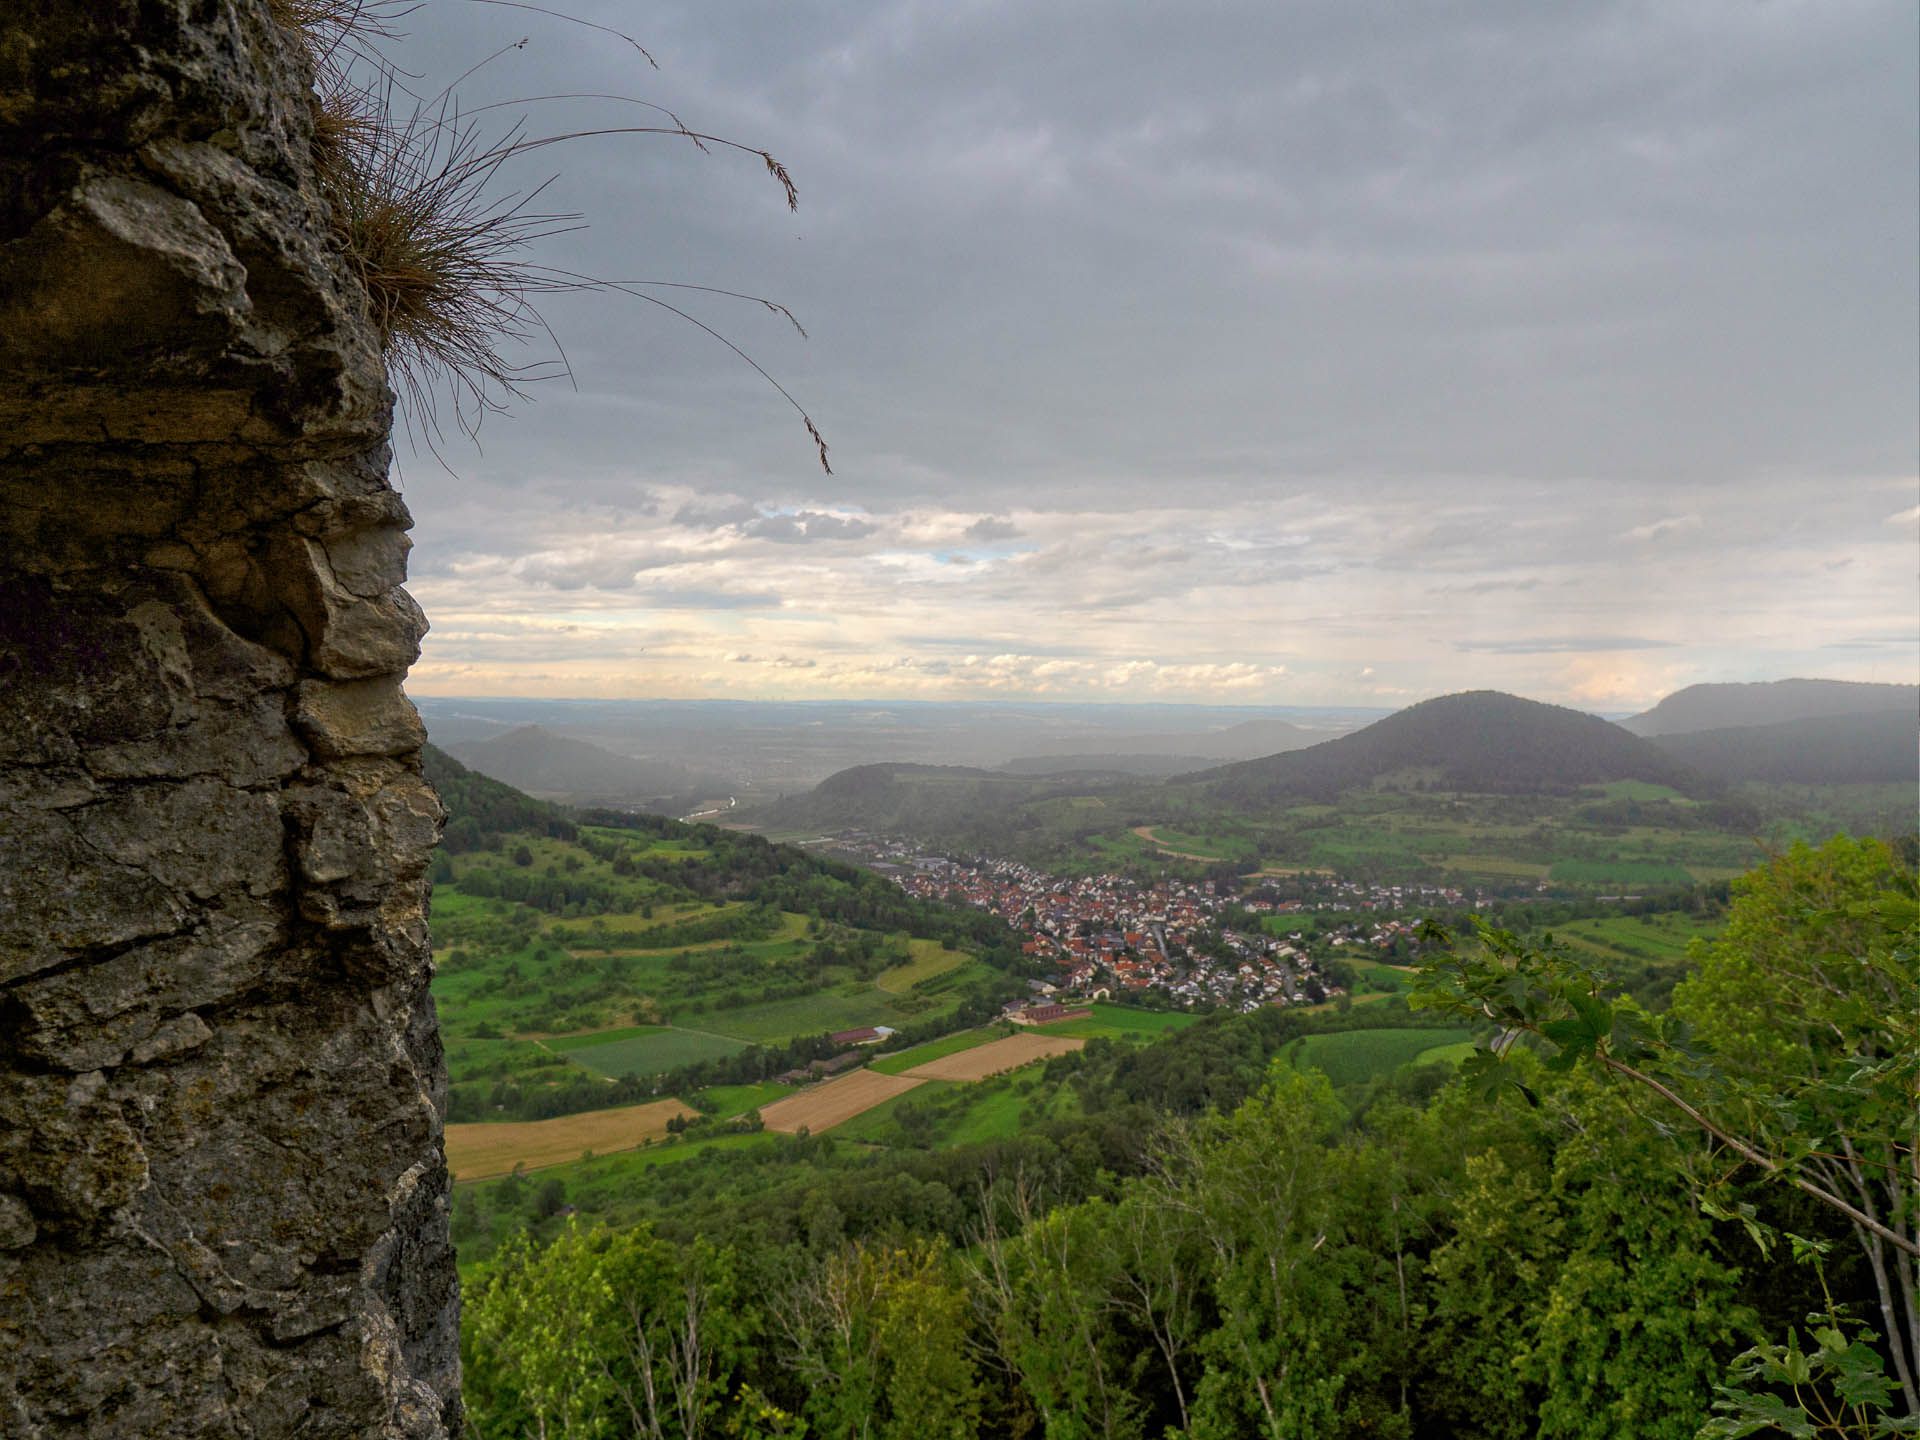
[1355, 1056]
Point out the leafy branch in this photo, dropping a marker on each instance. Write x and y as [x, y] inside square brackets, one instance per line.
[1557, 998]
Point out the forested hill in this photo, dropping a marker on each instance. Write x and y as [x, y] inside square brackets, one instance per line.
[484, 814]
[1773, 702]
[1481, 740]
[922, 798]
[479, 806]
[1861, 749]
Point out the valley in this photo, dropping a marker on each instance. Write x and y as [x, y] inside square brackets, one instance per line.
[924, 1003]
[660, 985]
[621, 991]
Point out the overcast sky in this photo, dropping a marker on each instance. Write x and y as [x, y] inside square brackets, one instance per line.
[1292, 352]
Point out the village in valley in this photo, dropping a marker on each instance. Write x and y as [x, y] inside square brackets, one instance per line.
[1186, 944]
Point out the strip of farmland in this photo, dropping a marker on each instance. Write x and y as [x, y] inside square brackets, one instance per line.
[824, 1106]
[997, 1058]
[478, 1152]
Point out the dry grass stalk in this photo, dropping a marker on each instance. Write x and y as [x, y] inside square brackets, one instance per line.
[427, 222]
[439, 247]
[339, 33]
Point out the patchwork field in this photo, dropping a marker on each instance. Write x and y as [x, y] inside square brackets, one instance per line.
[1661, 937]
[477, 1152]
[825, 1106]
[776, 1021]
[1619, 872]
[928, 960]
[726, 1101]
[1445, 1054]
[997, 1057]
[643, 1049]
[567, 958]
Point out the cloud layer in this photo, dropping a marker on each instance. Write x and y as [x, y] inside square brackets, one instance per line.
[1235, 352]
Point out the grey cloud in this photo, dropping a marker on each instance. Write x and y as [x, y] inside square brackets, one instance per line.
[989, 528]
[597, 574]
[988, 644]
[712, 514]
[806, 527]
[1664, 528]
[1493, 291]
[1876, 642]
[1570, 242]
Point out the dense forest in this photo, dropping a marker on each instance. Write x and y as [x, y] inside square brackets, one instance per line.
[1612, 1222]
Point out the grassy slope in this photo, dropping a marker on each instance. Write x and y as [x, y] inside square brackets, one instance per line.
[1359, 1055]
[1121, 1022]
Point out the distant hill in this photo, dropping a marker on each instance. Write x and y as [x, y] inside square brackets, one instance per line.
[1824, 750]
[888, 797]
[1771, 702]
[1480, 741]
[478, 806]
[1151, 766]
[1252, 739]
[540, 762]
[1150, 753]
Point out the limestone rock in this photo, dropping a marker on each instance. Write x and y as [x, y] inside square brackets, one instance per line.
[223, 1200]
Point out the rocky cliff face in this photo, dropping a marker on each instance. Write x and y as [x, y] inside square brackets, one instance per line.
[223, 1204]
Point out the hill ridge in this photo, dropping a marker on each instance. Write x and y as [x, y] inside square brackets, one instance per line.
[1479, 740]
[1733, 704]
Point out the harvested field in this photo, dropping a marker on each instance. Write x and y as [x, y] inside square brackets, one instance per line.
[1002, 1055]
[824, 1106]
[1145, 832]
[476, 1152]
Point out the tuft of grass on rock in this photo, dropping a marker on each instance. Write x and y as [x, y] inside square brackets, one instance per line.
[444, 246]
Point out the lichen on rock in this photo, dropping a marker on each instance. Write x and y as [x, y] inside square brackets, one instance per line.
[223, 1203]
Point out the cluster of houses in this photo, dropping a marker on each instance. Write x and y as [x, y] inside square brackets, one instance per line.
[1107, 937]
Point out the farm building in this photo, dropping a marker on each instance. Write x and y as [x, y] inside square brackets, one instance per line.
[864, 1035]
[819, 1069]
[1048, 1015]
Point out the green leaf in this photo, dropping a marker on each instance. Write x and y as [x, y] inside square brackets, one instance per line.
[1595, 1012]
[1860, 1377]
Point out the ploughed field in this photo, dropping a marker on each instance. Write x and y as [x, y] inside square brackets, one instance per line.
[821, 1107]
[997, 1057]
[477, 1152]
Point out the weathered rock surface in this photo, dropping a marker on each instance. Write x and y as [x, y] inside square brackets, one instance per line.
[223, 1203]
